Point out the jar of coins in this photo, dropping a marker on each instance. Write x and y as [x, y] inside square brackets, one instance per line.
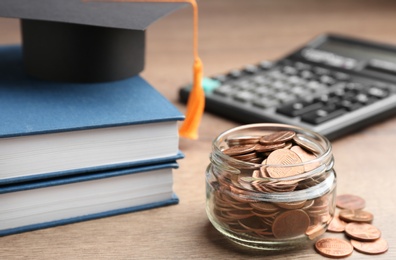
[271, 186]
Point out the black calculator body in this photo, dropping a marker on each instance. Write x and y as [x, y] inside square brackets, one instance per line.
[333, 85]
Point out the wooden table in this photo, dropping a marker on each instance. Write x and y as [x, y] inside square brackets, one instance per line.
[232, 33]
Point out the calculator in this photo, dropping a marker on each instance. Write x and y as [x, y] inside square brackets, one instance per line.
[333, 85]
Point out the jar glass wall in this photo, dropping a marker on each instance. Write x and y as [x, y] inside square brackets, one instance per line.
[265, 201]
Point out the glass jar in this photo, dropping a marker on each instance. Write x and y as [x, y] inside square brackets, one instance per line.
[271, 200]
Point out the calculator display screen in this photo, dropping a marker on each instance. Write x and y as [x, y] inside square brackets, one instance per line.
[357, 51]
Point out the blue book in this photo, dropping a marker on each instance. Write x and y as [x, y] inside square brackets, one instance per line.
[53, 129]
[59, 201]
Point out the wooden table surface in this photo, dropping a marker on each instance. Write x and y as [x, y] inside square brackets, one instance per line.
[232, 33]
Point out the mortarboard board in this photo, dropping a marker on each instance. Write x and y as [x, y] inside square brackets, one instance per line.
[77, 41]
[104, 41]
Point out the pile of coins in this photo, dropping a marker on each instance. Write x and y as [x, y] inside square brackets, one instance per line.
[355, 223]
[263, 163]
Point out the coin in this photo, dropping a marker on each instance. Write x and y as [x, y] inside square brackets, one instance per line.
[305, 157]
[336, 225]
[333, 247]
[245, 157]
[253, 223]
[362, 231]
[358, 215]
[378, 246]
[239, 149]
[278, 156]
[291, 205]
[315, 231]
[349, 201]
[277, 137]
[290, 224]
[269, 147]
[307, 143]
[242, 140]
[284, 157]
[264, 206]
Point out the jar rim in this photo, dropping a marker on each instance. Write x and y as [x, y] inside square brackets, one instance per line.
[271, 127]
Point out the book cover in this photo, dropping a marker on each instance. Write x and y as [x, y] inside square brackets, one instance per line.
[50, 127]
[59, 201]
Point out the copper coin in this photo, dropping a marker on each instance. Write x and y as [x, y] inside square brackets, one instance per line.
[307, 143]
[349, 201]
[269, 147]
[242, 140]
[291, 205]
[378, 246]
[290, 224]
[333, 247]
[264, 206]
[245, 157]
[253, 223]
[239, 149]
[336, 225]
[362, 231]
[305, 157]
[277, 137]
[315, 231]
[358, 215]
[287, 158]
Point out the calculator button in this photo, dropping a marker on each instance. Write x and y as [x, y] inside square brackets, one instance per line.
[209, 84]
[300, 91]
[316, 86]
[265, 102]
[251, 69]
[235, 74]
[349, 105]
[277, 75]
[321, 71]
[243, 85]
[284, 97]
[290, 70]
[322, 115]
[342, 76]
[279, 85]
[261, 80]
[307, 74]
[325, 79]
[302, 66]
[299, 108]
[295, 80]
[354, 86]
[244, 96]
[221, 78]
[224, 90]
[265, 65]
[378, 92]
[264, 91]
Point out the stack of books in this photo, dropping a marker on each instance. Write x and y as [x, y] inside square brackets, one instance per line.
[74, 152]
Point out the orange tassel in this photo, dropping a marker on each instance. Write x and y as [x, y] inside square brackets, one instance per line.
[196, 100]
[195, 105]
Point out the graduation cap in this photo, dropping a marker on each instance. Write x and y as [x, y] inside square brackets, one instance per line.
[95, 41]
[79, 41]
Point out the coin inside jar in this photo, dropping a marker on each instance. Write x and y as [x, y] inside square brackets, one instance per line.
[250, 197]
[291, 223]
[284, 157]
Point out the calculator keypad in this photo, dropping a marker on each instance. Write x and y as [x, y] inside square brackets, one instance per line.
[296, 89]
[331, 102]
